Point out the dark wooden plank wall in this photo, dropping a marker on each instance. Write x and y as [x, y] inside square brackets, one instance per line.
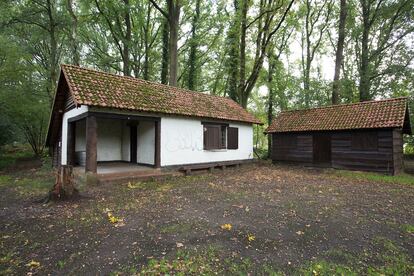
[380, 160]
[301, 151]
[387, 158]
[56, 153]
[69, 102]
[398, 150]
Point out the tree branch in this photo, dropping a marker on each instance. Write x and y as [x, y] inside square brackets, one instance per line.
[159, 9]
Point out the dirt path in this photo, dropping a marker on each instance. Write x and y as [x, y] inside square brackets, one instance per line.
[294, 217]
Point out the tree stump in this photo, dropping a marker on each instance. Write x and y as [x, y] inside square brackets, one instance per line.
[64, 187]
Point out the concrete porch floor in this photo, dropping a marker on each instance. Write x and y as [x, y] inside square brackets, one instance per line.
[122, 167]
[118, 172]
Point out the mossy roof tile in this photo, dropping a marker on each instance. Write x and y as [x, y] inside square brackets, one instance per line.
[95, 88]
[388, 113]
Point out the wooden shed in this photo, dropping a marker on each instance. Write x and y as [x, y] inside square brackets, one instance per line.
[364, 136]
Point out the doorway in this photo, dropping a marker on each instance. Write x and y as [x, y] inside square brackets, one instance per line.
[322, 148]
[133, 143]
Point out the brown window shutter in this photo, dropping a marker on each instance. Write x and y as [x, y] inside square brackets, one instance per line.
[232, 138]
[211, 137]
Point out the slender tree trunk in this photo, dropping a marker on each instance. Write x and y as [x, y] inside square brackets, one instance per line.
[53, 52]
[193, 72]
[165, 51]
[127, 41]
[364, 82]
[339, 53]
[146, 42]
[174, 18]
[243, 30]
[73, 33]
[233, 58]
[272, 65]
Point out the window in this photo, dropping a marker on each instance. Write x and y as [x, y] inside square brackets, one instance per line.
[220, 137]
[364, 140]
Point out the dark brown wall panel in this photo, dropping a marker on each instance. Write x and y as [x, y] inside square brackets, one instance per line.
[397, 145]
[345, 157]
[292, 147]
[386, 158]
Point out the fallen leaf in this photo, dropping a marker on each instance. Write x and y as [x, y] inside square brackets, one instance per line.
[33, 263]
[251, 237]
[179, 244]
[226, 226]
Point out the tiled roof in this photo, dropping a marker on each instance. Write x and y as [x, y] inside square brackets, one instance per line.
[95, 88]
[372, 114]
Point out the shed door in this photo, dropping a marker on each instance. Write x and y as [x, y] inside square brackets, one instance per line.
[321, 148]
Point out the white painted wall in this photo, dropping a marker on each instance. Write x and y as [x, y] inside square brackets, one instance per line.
[125, 142]
[109, 139]
[70, 114]
[114, 140]
[146, 142]
[80, 143]
[182, 143]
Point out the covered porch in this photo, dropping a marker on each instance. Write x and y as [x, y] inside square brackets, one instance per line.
[113, 172]
[104, 143]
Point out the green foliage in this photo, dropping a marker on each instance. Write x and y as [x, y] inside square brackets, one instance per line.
[36, 37]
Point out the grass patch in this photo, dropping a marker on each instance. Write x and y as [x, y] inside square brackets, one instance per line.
[205, 262]
[327, 268]
[10, 154]
[406, 179]
[386, 258]
[8, 262]
[408, 228]
[28, 183]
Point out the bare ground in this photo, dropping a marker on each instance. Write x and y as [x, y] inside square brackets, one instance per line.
[296, 218]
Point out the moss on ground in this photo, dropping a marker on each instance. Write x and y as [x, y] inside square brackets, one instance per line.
[406, 179]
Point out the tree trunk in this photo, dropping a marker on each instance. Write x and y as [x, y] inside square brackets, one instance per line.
[53, 65]
[243, 30]
[192, 60]
[364, 72]
[165, 51]
[173, 19]
[270, 99]
[306, 82]
[339, 53]
[265, 35]
[127, 41]
[308, 61]
[64, 187]
[73, 33]
[147, 43]
[233, 57]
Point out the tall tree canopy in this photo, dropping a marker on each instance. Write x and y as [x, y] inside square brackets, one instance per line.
[266, 55]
